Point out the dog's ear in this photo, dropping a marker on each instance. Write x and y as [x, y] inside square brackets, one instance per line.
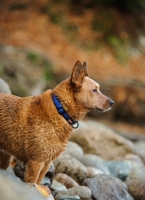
[78, 74]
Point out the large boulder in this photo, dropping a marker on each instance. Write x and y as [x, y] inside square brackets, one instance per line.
[96, 138]
[11, 188]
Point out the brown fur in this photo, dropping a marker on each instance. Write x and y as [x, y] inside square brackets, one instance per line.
[32, 130]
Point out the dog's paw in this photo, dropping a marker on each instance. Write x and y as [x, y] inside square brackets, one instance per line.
[43, 190]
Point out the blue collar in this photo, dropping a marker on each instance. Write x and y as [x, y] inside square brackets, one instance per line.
[62, 112]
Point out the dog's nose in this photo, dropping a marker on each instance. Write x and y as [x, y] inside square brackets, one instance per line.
[111, 102]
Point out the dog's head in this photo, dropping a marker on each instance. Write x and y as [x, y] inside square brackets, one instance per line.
[86, 91]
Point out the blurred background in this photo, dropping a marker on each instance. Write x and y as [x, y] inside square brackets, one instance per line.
[40, 41]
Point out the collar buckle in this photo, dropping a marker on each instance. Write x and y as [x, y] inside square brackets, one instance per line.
[62, 112]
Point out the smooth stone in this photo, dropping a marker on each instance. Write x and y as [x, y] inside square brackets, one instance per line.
[76, 197]
[141, 145]
[70, 166]
[57, 186]
[120, 169]
[136, 187]
[74, 150]
[134, 158]
[138, 173]
[92, 171]
[83, 192]
[12, 188]
[106, 187]
[91, 160]
[96, 138]
[65, 180]
[4, 87]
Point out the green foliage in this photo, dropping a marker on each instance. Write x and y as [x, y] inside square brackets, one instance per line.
[119, 47]
[48, 74]
[32, 56]
[37, 59]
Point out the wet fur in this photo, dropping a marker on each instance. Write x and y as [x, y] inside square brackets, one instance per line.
[32, 130]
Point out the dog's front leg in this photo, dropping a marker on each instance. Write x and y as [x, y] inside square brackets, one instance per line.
[43, 172]
[5, 159]
[33, 169]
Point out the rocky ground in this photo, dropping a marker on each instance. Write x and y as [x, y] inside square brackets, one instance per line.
[97, 164]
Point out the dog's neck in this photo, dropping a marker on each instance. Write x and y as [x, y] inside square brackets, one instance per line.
[62, 112]
[64, 92]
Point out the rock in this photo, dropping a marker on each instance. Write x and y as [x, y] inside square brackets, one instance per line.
[57, 186]
[83, 192]
[65, 180]
[138, 173]
[91, 160]
[136, 187]
[74, 150]
[117, 168]
[11, 188]
[106, 187]
[19, 169]
[141, 145]
[120, 169]
[67, 197]
[92, 171]
[134, 158]
[96, 138]
[4, 87]
[70, 166]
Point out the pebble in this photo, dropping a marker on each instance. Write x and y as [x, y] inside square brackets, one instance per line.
[57, 186]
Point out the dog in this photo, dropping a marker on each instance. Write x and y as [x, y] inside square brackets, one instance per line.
[35, 129]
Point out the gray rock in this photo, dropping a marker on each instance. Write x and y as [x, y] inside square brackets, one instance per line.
[83, 192]
[141, 145]
[136, 187]
[90, 160]
[106, 187]
[11, 188]
[4, 87]
[74, 150]
[57, 186]
[138, 173]
[120, 169]
[66, 197]
[135, 159]
[96, 138]
[70, 166]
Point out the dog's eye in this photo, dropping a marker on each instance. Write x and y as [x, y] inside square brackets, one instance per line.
[94, 90]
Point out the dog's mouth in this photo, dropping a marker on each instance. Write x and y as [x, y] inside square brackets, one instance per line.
[100, 110]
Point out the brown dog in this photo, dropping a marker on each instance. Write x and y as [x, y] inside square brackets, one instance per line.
[35, 129]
